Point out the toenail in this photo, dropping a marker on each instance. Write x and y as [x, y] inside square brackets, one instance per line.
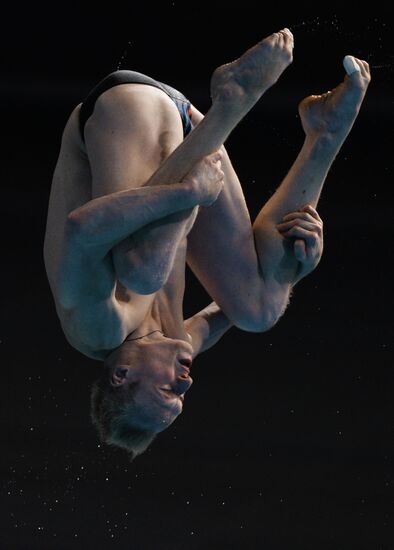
[350, 65]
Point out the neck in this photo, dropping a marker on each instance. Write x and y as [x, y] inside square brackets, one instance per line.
[166, 316]
[130, 339]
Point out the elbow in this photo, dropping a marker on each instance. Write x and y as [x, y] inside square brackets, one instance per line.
[75, 226]
[140, 285]
[83, 228]
[136, 275]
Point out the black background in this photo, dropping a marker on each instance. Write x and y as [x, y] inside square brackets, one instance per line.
[286, 440]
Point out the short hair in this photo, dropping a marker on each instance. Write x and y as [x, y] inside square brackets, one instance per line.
[111, 412]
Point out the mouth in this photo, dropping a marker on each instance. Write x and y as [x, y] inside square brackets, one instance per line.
[172, 393]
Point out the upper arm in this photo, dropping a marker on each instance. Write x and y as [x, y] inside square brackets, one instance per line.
[207, 327]
[91, 314]
[126, 136]
[84, 277]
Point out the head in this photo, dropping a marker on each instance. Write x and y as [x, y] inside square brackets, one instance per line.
[141, 391]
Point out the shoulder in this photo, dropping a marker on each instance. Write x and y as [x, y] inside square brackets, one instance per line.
[98, 329]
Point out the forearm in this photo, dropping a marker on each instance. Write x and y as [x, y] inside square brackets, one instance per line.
[207, 327]
[111, 218]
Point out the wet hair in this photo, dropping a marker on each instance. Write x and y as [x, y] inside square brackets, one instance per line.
[111, 412]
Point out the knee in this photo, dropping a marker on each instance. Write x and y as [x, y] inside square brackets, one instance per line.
[258, 318]
[252, 323]
[139, 276]
[140, 284]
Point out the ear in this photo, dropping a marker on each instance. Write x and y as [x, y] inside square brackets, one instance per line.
[118, 376]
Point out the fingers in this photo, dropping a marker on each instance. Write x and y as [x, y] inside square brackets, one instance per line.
[306, 212]
[306, 208]
[300, 219]
[286, 227]
[214, 161]
[305, 227]
[216, 156]
[311, 216]
[310, 236]
[310, 210]
[300, 250]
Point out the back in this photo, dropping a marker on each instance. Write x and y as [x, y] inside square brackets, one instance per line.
[71, 187]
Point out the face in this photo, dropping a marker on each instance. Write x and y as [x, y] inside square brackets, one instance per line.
[161, 365]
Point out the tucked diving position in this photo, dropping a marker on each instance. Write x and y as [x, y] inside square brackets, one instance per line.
[142, 186]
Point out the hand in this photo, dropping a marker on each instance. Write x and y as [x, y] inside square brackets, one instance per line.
[305, 227]
[206, 178]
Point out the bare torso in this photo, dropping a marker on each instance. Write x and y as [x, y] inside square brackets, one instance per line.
[71, 188]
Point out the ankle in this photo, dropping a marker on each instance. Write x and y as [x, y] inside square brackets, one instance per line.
[232, 108]
[323, 143]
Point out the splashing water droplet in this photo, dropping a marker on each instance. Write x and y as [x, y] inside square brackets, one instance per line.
[122, 57]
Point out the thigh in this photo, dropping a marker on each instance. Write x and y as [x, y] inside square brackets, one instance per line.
[125, 154]
[132, 129]
[221, 249]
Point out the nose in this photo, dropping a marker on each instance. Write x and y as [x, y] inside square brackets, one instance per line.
[186, 361]
[183, 365]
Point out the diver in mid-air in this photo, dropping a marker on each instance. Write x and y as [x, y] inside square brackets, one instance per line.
[143, 184]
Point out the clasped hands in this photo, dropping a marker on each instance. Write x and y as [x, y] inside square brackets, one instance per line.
[305, 228]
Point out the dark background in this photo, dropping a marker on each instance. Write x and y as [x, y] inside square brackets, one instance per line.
[286, 440]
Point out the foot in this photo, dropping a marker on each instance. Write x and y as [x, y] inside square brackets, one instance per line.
[332, 114]
[244, 80]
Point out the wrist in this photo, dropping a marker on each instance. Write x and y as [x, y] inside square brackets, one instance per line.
[189, 192]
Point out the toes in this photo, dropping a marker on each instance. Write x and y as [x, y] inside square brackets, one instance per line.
[281, 39]
[350, 64]
[286, 42]
[357, 71]
[274, 38]
[288, 35]
[365, 69]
